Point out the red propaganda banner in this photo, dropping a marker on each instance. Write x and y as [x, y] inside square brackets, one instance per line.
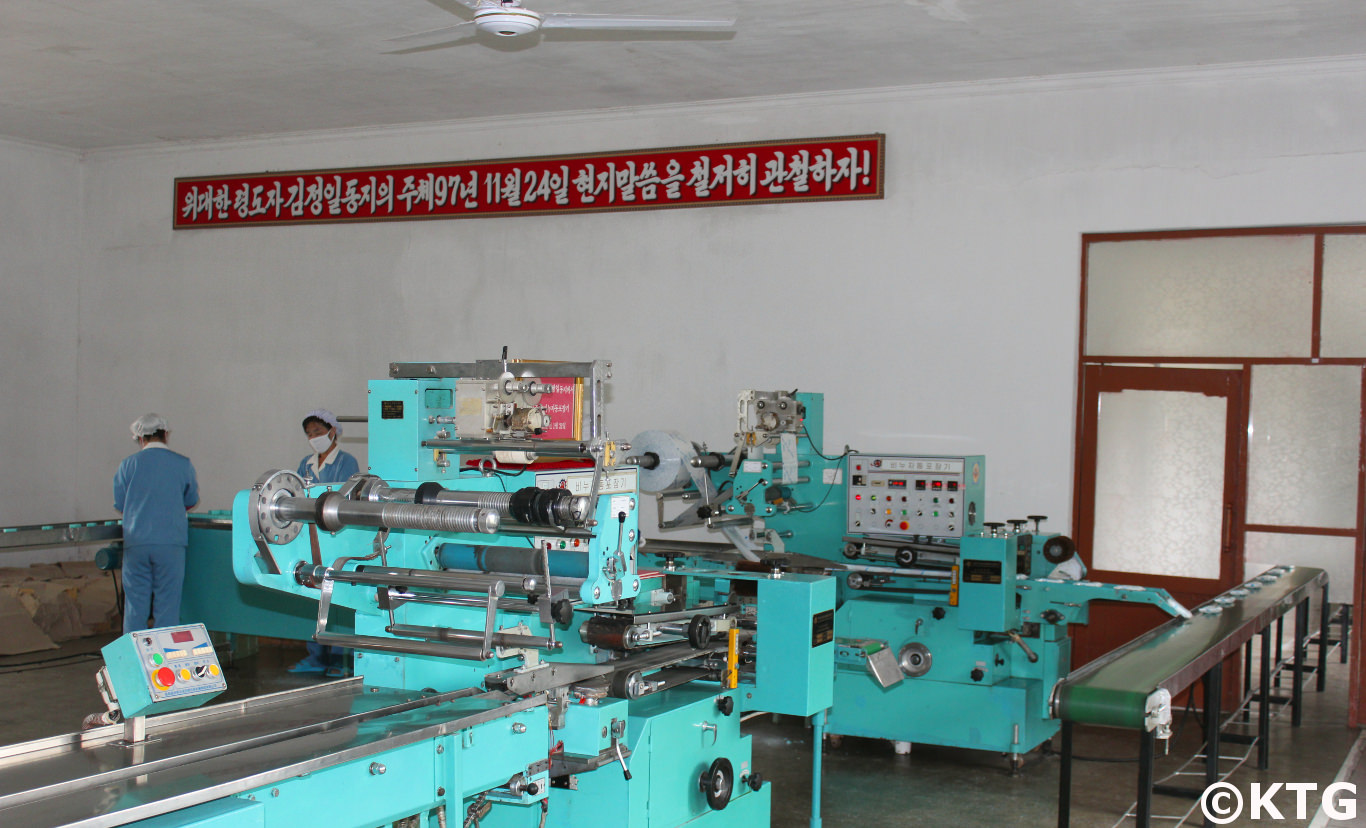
[813, 169]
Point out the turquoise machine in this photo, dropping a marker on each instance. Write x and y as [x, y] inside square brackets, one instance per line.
[950, 630]
[516, 663]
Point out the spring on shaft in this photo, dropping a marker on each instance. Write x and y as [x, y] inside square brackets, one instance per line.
[500, 502]
[433, 518]
[332, 512]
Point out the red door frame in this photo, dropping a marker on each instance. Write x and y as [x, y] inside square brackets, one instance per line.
[1356, 705]
[1114, 625]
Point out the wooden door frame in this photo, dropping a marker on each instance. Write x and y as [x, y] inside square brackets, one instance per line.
[1101, 378]
[1356, 703]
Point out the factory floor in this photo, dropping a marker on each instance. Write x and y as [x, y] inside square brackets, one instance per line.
[865, 783]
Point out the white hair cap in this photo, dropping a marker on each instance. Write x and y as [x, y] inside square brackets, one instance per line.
[149, 424]
[326, 416]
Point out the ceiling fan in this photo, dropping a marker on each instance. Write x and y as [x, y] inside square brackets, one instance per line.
[510, 19]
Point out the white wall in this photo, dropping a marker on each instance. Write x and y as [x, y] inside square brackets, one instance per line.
[40, 310]
[942, 319]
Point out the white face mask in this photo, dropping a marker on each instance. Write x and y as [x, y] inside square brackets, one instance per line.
[321, 443]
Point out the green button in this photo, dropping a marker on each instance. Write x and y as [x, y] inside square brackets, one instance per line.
[157, 659]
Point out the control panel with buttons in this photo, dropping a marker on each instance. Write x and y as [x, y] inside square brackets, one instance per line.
[169, 668]
[901, 495]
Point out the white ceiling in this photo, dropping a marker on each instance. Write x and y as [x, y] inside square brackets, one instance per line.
[90, 74]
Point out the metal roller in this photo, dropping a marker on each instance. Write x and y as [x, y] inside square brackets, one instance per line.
[332, 511]
[279, 506]
[519, 560]
[529, 505]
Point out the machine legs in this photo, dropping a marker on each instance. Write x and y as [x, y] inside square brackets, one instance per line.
[1065, 778]
[1264, 707]
[1297, 692]
[818, 745]
[1143, 813]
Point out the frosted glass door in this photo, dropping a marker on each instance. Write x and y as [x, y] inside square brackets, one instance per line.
[1159, 505]
[1157, 490]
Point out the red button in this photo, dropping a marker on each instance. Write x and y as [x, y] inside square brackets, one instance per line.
[165, 677]
[905, 526]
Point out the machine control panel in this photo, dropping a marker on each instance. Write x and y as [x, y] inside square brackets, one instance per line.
[899, 495]
[169, 668]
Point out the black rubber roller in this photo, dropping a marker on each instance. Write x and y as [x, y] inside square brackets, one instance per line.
[540, 507]
[699, 631]
[1059, 548]
[424, 493]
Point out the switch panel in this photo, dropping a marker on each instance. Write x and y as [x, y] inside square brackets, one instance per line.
[164, 669]
[899, 495]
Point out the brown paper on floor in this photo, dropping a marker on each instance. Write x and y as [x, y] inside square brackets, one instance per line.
[18, 633]
[57, 613]
[96, 602]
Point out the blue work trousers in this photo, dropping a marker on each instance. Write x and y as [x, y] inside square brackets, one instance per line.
[152, 579]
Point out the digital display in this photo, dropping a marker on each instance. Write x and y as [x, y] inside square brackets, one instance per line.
[182, 636]
[896, 484]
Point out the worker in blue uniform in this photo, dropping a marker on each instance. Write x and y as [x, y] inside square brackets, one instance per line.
[153, 490]
[327, 464]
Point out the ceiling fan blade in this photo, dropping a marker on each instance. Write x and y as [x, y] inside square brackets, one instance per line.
[434, 34]
[638, 23]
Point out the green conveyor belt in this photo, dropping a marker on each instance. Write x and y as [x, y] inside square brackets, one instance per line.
[1113, 690]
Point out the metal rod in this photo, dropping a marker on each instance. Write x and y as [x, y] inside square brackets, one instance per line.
[905, 572]
[818, 746]
[1297, 680]
[331, 511]
[546, 531]
[398, 597]
[1144, 809]
[381, 576]
[1264, 709]
[1280, 649]
[1325, 621]
[1065, 778]
[499, 639]
[1346, 632]
[394, 645]
[498, 501]
[1214, 693]
[544, 448]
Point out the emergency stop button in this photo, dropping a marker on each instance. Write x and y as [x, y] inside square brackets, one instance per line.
[164, 678]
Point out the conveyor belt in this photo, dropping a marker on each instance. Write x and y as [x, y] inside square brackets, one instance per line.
[45, 535]
[92, 780]
[1114, 689]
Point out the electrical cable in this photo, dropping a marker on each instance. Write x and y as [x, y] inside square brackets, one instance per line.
[70, 660]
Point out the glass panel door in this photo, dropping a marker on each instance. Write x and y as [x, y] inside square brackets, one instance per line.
[1157, 490]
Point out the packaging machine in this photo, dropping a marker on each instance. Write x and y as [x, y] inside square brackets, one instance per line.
[517, 662]
[951, 630]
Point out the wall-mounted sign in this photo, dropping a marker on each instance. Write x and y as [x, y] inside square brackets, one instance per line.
[814, 169]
